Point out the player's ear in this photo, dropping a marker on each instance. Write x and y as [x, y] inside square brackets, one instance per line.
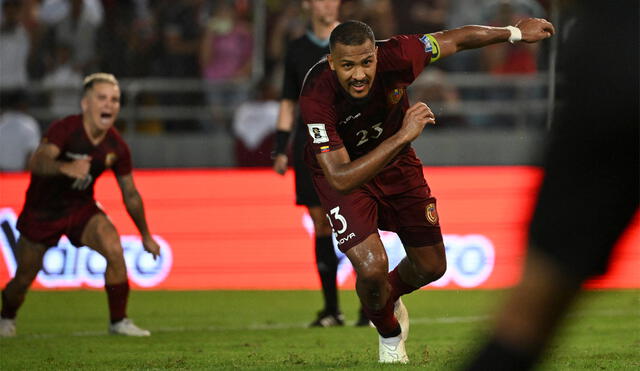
[84, 104]
[330, 60]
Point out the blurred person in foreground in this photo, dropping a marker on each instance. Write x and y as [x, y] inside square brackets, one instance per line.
[301, 55]
[60, 200]
[590, 191]
[367, 176]
[19, 132]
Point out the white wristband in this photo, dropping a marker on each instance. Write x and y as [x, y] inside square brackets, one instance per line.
[516, 34]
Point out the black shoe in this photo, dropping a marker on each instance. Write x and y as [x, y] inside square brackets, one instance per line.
[326, 319]
[362, 319]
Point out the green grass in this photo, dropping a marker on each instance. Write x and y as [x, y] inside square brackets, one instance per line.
[259, 330]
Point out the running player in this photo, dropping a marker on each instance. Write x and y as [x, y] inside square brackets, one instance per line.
[301, 55]
[367, 175]
[72, 155]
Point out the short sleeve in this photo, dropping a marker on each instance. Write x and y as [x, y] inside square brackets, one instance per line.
[320, 121]
[411, 52]
[57, 133]
[122, 166]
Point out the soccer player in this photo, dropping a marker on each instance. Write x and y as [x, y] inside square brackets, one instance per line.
[64, 167]
[364, 169]
[591, 187]
[301, 55]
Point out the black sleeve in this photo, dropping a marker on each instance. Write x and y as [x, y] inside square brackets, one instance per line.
[290, 85]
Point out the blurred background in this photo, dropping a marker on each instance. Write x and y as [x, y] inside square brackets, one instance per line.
[200, 79]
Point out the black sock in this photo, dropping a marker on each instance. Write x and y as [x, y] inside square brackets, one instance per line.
[327, 264]
[496, 356]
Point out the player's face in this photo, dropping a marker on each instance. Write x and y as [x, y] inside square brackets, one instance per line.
[355, 66]
[324, 11]
[101, 105]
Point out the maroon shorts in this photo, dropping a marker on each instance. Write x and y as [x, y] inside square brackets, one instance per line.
[47, 231]
[398, 199]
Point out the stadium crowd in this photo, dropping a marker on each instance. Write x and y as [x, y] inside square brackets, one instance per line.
[235, 50]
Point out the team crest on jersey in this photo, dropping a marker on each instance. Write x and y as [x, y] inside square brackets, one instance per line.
[431, 213]
[110, 159]
[318, 132]
[395, 96]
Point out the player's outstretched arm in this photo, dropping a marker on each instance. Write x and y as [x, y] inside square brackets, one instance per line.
[528, 30]
[135, 208]
[345, 175]
[44, 162]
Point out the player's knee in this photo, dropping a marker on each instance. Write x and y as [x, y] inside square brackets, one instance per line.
[113, 253]
[438, 270]
[374, 277]
[431, 270]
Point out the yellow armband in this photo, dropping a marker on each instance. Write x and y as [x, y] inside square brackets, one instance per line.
[431, 46]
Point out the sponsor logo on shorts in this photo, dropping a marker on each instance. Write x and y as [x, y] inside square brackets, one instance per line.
[67, 266]
[318, 132]
[110, 159]
[431, 213]
[395, 96]
[345, 239]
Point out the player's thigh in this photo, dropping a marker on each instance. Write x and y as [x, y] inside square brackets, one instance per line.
[101, 235]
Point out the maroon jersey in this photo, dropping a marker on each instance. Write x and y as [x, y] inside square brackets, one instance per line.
[334, 119]
[51, 197]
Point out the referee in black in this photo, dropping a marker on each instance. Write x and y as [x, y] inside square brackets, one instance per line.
[301, 55]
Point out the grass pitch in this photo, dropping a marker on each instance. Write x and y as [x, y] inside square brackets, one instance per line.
[260, 330]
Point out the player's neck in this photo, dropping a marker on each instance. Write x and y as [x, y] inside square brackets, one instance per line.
[322, 30]
[94, 133]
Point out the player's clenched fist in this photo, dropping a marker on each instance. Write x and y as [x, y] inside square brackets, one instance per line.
[78, 169]
[415, 119]
[535, 29]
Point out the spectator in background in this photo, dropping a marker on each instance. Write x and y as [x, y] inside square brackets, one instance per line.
[225, 60]
[521, 58]
[432, 86]
[376, 13]
[181, 32]
[62, 83]
[517, 59]
[181, 24]
[424, 16]
[254, 127]
[15, 46]
[19, 132]
[75, 23]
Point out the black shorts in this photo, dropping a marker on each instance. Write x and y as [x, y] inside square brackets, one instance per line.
[305, 193]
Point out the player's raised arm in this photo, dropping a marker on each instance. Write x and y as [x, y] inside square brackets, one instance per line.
[346, 175]
[135, 208]
[528, 30]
